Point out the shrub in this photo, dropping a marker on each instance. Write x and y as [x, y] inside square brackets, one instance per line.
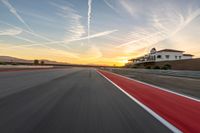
[148, 67]
[166, 67]
[134, 67]
[156, 67]
[2, 63]
[14, 63]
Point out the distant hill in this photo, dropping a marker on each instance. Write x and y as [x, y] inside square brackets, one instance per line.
[18, 60]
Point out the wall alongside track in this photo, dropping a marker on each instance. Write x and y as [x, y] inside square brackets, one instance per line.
[190, 64]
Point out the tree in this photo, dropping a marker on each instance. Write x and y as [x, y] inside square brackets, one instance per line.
[42, 62]
[36, 62]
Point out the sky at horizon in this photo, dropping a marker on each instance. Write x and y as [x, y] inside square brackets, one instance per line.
[102, 32]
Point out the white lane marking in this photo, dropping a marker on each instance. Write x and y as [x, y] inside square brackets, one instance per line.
[164, 89]
[159, 118]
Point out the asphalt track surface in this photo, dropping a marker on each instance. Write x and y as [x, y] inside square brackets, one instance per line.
[73, 100]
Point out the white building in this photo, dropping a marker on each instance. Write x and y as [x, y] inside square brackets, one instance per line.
[163, 55]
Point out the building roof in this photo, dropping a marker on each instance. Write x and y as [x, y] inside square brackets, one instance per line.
[170, 50]
[132, 59]
[188, 55]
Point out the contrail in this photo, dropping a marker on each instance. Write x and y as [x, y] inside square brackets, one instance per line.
[24, 39]
[14, 12]
[79, 39]
[94, 35]
[112, 7]
[188, 20]
[134, 41]
[89, 15]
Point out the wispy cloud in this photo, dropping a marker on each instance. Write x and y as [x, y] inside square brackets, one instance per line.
[111, 6]
[187, 20]
[100, 34]
[122, 5]
[10, 32]
[163, 25]
[15, 13]
[126, 4]
[93, 50]
[14, 32]
[142, 38]
[79, 39]
[37, 35]
[24, 39]
[39, 17]
[74, 29]
[26, 31]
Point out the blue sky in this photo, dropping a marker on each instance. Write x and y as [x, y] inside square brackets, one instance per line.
[97, 31]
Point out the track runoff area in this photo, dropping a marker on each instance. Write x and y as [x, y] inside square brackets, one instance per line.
[178, 112]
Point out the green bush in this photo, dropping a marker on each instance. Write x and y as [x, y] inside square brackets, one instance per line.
[134, 67]
[15, 63]
[156, 67]
[148, 67]
[166, 67]
[2, 63]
